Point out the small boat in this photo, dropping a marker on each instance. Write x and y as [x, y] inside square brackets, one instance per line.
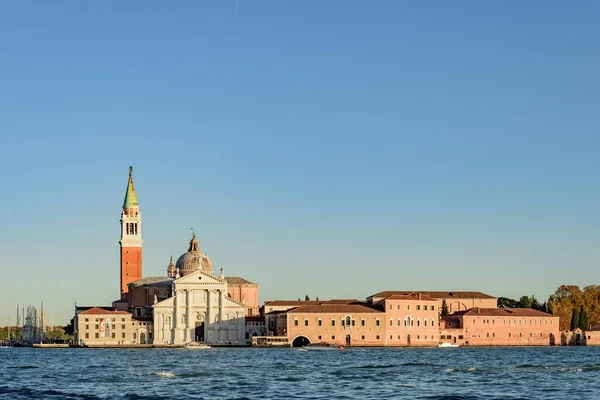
[196, 346]
[323, 346]
[446, 344]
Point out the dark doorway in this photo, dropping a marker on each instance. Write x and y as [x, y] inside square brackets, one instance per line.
[142, 338]
[454, 339]
[348, 340]
[199, 332]
[578, 339]
[408, 340]
[300, 341]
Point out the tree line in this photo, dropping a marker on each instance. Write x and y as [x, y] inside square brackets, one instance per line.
[576, 308]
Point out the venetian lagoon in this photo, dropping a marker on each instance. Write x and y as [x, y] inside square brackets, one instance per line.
[250, 373]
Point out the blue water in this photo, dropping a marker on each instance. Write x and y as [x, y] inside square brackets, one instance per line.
[459, 373]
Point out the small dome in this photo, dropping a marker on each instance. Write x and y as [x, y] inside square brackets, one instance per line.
[193, 260]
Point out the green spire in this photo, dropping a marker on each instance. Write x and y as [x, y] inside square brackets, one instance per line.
[130, 198]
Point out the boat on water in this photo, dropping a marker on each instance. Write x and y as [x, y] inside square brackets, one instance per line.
[323, 347]
[196, 346]
[446, 344]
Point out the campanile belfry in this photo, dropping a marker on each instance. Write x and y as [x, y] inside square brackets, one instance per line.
[131, 238]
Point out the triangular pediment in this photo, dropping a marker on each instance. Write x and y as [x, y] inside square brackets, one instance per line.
[166, 303]
[200, 277]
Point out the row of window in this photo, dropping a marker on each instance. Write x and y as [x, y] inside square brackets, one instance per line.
[509, 335]
[87, 327]
[425, 307]
[450, 337]
[514, 321]
[410, 321]
[113, 335]
[106, 319]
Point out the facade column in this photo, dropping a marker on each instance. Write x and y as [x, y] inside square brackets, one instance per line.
[209, 314]
[221, 306]
[177, 323]
[188, 313]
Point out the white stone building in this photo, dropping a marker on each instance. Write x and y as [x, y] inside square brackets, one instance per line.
[200, 308]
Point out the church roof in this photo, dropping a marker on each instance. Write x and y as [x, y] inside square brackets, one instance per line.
[98, 310]
[236, 280]
[130, 197]
[152, 280]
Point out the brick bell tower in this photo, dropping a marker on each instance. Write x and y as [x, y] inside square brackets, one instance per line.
[131, 238]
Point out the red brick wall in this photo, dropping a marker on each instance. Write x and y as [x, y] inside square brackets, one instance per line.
[131, 266]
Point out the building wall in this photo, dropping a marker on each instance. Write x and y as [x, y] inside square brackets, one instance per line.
[92, 329]
[246, 294]
[131, 266]
[372, 333]
[510, 331]
[411, 323]
[457, 304]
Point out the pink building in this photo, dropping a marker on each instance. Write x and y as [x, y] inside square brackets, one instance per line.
[501, 327]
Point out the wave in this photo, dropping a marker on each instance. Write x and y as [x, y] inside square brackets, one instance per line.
[163, 374]
[383, 366]
[24, 367]
[26, 393]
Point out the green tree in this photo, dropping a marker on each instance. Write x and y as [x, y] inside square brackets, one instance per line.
[306, 298]
[445, 311]
[574, 318]
[526, 302]
[69, 329]
[505, 302]
[583, 319]
[317, 298]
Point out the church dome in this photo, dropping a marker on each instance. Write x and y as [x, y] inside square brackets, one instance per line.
[193, 260]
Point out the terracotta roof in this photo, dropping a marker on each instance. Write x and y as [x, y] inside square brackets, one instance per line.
[343, 301]
[97, 310]
[437, 295]
[236, 280]
[503, 312]
[335, 308]
[152, 280]
[292, 302]
[411, 296]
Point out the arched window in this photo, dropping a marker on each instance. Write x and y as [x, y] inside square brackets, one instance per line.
[348, 321]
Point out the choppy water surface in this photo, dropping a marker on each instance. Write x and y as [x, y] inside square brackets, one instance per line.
[460, 373]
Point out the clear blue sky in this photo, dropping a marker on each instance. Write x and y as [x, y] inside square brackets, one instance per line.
[328, 148]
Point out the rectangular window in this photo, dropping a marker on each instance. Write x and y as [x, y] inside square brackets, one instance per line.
[87, 320]
[134, 336]
[114, 335]
[460, 337]
[305, 322]
[353, 322]
[509, 334]
[391, 323]
[398, 306]
[530, 334]
[343, 323]
[87, 327]
[542, 335]
[333, 322]
[398, 337]
[493, 334]
[295, 322]
[320, 337]
[123, 335]
[87, 335]
[362, 337]
[488, 334]
[332, 337]
[391, 337]
[122, 319]
[96, 326]
[425, 307]
[376, 322]
[123, 326]
[390, 306]
[97, 335]
[432, 308]
[408, 307]
[418, 307]
[319, 322]
[398, 322]
[362, 322]
[377, 337]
